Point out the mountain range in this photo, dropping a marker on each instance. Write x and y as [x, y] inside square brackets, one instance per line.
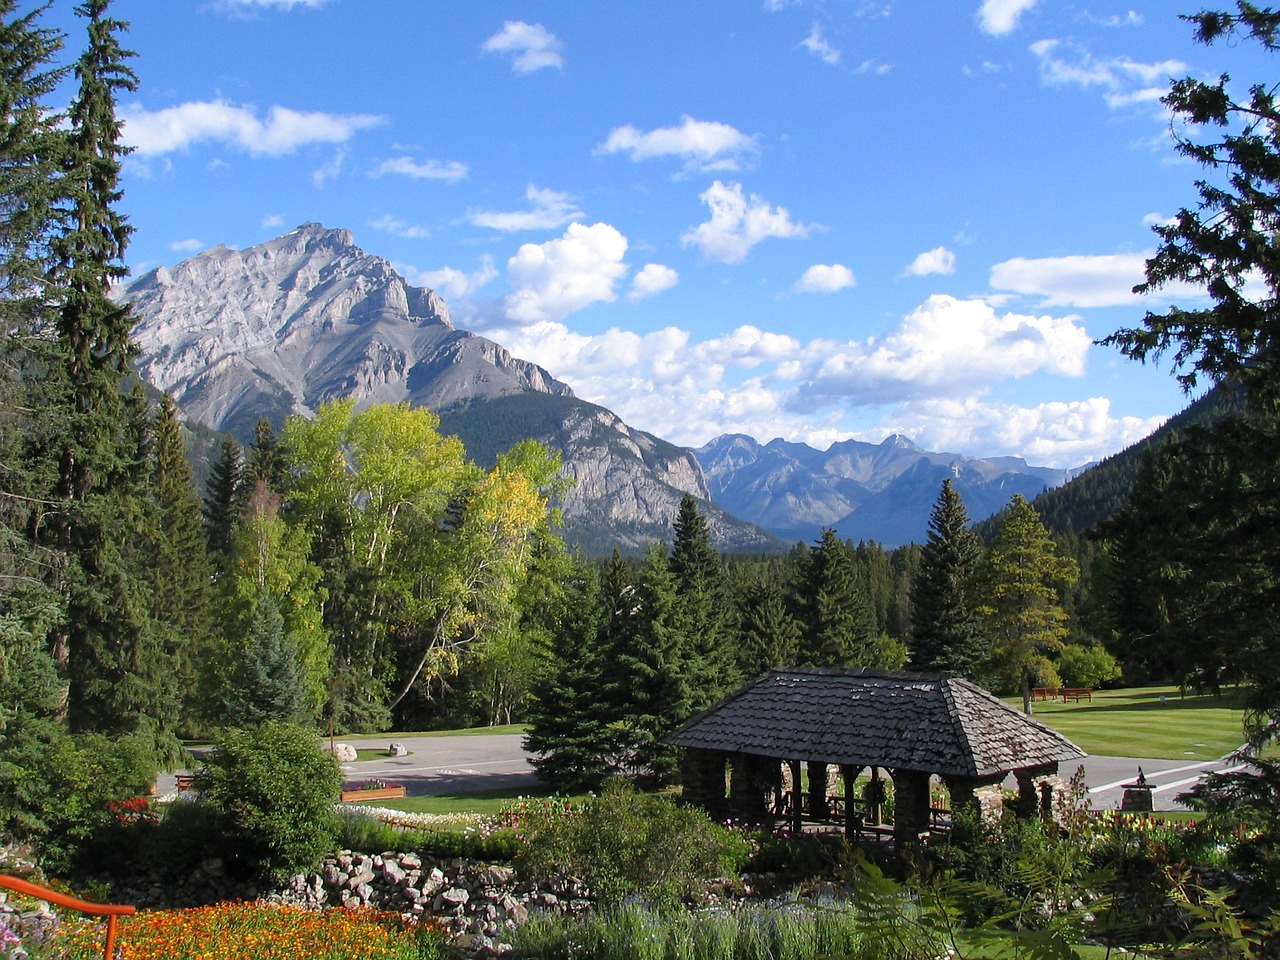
[279, 328]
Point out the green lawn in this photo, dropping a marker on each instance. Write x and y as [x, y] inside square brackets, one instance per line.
[487, 802]
[1135, 723]
[466, 732]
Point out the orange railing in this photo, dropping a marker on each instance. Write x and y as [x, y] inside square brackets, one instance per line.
[108, 910]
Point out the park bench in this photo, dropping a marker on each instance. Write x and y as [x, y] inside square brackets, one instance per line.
[1044, 693]
[1076, 693]
[185, 781]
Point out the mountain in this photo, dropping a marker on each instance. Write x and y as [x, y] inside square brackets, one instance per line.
[864, 491]
[281, 327]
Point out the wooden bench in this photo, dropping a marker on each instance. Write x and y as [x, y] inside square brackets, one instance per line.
[1044, 693]
[1076, 693]
[185, 781]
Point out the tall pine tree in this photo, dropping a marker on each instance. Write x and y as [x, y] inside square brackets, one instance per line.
[946, 631]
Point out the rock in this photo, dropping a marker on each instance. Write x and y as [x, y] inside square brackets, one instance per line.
[397, 750]
[213, 867]
[496, 876]
[344, 752]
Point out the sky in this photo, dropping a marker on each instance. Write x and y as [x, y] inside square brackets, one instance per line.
[809, 219]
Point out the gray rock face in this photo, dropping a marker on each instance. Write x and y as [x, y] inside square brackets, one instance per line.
[281, 327]
[285, 325]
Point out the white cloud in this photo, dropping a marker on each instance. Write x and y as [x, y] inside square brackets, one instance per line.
[553, 279]
[452, 171]
[653, 278]
[1124, 82]
[400, 228]
[999, 17]
[330, 170]
[1077, 281]
[274, 220]
[824, 278]
[689, 391]
[1053, 434]
[738, 223]
[816, 44]
[874, 68]
[938, 260]
[186, 246]
[549, 210]
[451, 282]
[703, 144]
[282, 131]
[531, 44]
[943, 346]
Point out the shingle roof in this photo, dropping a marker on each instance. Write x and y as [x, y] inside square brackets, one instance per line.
[933, 723]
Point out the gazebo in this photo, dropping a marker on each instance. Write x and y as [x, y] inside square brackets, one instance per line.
[841, 722]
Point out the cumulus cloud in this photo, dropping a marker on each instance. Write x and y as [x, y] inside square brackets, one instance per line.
[824, 278]
[451, 282]
[738, 223]
[452, 171]
[1058, 433]
[768, 384]
[999, 17]
[816, 44]
[704, 145]
[531, 46]
[549, 210]
[329, 170]
[652, 279]
[553, 279]
[281, 131]
[938, 260]
[273, 220]
[1122, 81]
[190, 245]
[942, 346]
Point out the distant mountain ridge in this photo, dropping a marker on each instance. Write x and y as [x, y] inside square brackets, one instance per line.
[283, 326]
[864, 491]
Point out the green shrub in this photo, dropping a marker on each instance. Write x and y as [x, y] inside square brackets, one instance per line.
[625, 842]
[1081, 666]
[274, 788]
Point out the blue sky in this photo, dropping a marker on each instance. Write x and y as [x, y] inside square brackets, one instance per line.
[814, 219]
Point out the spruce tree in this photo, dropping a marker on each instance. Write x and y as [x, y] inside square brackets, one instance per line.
[224, 493]
[768, 634]
[266, 681]
[179, 570]
[837, 625]
[946, 631]
[705, 611]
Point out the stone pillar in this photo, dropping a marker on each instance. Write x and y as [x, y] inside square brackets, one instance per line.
[702, 780]
[818, 790]
[910, 806]
[1030, 802]
[981, 795]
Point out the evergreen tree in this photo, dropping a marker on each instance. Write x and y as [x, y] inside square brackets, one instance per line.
[699, 582]
[223, 498]
[568, 713]
[266, 682]
[837, 624]
[268, 460]
[656, 666]
[769, 636]
[946, 631]
[1021, 577]
[179, 570]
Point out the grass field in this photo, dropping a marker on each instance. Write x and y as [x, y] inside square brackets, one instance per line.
[1139, 723]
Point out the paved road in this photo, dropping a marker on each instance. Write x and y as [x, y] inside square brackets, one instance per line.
[451, 765]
